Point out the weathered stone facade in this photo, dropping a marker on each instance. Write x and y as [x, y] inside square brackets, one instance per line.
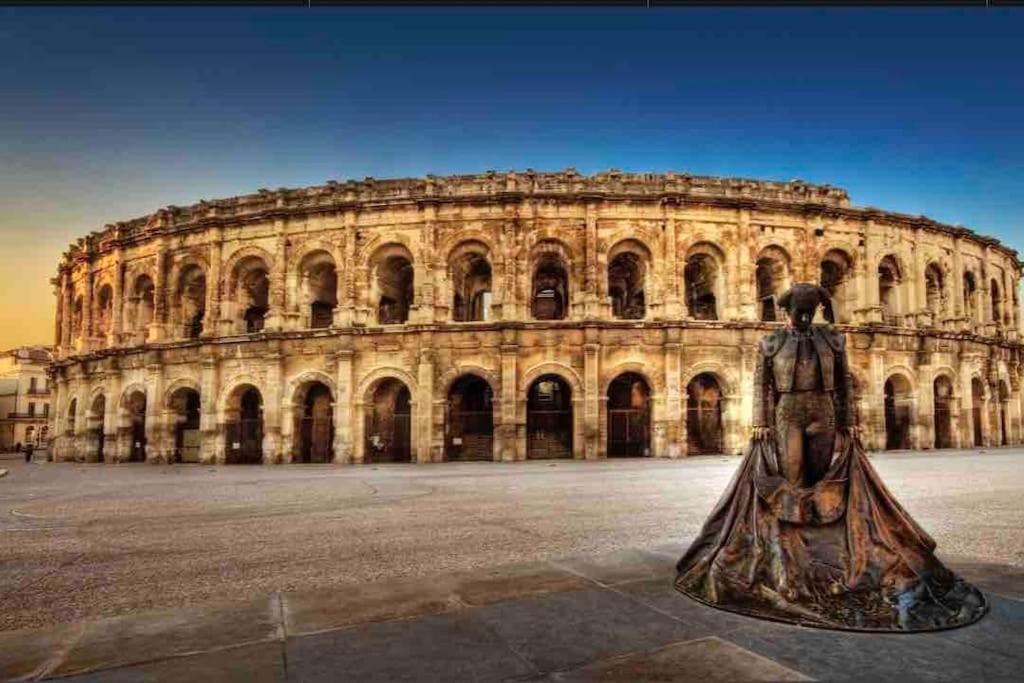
[506, 316]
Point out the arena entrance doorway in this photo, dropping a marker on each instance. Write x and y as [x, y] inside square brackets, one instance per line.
[185, 409]
[470, 429]
[97, 413]
[315, 428]
[549, 419]
[897, 413]
[245, 427]
[137, 431]
[942, 393]
[389, 424]
[704, 433]
[629, 416]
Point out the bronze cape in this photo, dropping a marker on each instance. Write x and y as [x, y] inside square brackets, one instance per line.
[840, 553]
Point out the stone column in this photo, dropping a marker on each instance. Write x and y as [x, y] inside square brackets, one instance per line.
[272, 408]
[423, 433]
[510, 435]
[673, 303]
[67, 293]
[158, 327]
[343, 412]
[916, 296]
[211, 449]
[591, 393]
[747, 296]
[675, 441]
[591, 300]
[214, 288]
[157, 448]
[117, 324]
[87, 312]
[278, 279]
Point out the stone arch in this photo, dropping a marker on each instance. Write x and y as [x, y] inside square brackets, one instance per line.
[365, 412]
[300, 252]
[773, 275]
[566, 372]
[175, 386]
[944, 395]
[371, 379]
[243, 413]
[250, 251]
[183, 261]
[229, 387]
[366, 252]
[131, 419]
[452, 374]
[189, 288]
[551, 280]
[936, 290]
[627, 416]
[470, 416]
[459, 237]
[899, 391]
[628, 277]
[314, 285]
[636, 368]
[892, 284]
[704, 281]
[727, 378]
[391, 271]
[837, 264]
[470, 280]
[309, 417]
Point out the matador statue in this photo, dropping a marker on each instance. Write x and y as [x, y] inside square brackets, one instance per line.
[808, 533]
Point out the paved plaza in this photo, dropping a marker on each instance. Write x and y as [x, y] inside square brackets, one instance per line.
[557, 570]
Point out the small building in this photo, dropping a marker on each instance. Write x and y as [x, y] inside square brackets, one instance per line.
[24, 397]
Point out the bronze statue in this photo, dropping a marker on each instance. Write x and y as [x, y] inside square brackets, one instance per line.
[804, 533]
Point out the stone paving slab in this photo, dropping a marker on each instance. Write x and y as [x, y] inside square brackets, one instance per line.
[616, 617]
[709, 660]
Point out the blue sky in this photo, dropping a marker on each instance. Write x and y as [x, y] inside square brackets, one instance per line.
[107, 114]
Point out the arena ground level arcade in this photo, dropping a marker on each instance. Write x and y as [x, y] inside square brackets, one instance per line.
[505, 392]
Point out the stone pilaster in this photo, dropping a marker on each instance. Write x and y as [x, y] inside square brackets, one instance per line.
[343, 409]
[592, 394]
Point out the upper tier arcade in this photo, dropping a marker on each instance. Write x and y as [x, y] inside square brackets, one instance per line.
[530, 246]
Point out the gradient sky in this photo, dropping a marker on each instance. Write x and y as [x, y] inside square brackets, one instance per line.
[109, 114]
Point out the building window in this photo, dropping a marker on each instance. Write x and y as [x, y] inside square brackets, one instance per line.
[32, 385]
[46, 410]
[31, 409]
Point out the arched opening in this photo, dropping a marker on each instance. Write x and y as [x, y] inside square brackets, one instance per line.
[69, 421]
[1004, 400]
[943, 402]
[977, 410]
[550, 298]
[30, 435]
[898, 399]
[970, 297]
[470, 273]
[314, 428]
[997, 302]
[320, 287]
[627, 270]
[837, 279]
[629, 416]
[104, 311]
[700, 277]
[142, 303]
[389, 423]
[392, 284]
[704, 425]
[549, 418]
[136, 409]
[77, 317]
[244, 426]
[934, 292]
[188, 309]
[44, 434]
[772, 277]
[252, 293]
[889, 277]
[97, 413]
[185, 412]
[470, 428]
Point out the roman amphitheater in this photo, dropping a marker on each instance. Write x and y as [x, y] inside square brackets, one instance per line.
[510, 316]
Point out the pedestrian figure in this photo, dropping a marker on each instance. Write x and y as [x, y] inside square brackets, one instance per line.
[28, 452]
